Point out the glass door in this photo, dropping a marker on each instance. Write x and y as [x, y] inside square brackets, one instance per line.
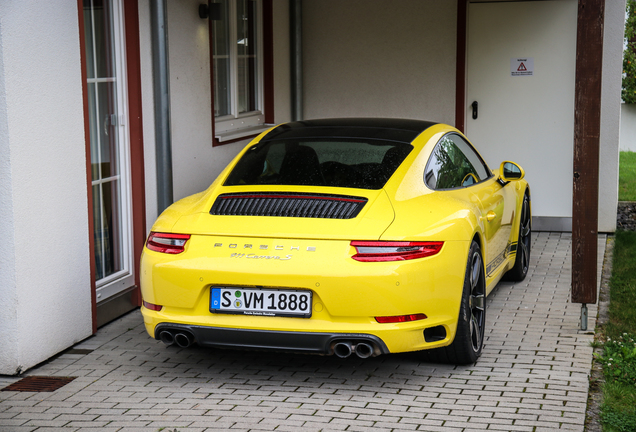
[110, 147]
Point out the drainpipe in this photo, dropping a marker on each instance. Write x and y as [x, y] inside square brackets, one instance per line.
[296, 45]
[161, 91]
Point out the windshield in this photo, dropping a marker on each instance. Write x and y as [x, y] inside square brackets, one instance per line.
[350, 163]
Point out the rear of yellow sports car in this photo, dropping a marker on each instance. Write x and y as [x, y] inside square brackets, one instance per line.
[306, 267]
[337, 298]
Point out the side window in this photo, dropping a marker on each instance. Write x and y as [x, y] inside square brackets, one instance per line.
[454, 163]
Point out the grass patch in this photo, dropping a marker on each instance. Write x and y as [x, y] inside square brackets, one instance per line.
[627, 176]
[618, 411]
[623, 286]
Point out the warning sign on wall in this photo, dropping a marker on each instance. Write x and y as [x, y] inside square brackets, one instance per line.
[522, 66]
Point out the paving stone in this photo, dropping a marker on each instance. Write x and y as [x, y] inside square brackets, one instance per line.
[533, 373]
[33, 428]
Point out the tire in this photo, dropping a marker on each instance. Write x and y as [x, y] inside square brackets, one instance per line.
[469, 338]
[524, 243]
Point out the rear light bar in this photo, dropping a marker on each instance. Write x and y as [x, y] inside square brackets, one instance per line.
[152, 307]
[400, 318]
[374, 251]
[167, 243]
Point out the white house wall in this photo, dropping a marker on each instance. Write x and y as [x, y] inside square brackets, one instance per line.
[45, 297]
[380, 58]
[195, 162]
[614, 28]
[628, 127]
[147, 109]
[282, 66]
[526, 119]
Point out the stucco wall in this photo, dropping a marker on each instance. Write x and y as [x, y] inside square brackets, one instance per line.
[614, 27]
[147, 108]
[526, 119]
[628, 127]
[195, 162]
[8, 295]
[45, 298]
[379, 58]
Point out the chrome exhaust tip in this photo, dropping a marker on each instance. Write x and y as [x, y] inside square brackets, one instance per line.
[342, 349]
[166, 337]
[183, 340]
[364, 350]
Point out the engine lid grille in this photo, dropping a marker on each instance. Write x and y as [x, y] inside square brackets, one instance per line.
[288, 205]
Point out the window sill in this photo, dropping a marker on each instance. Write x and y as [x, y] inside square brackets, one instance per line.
[234, 135]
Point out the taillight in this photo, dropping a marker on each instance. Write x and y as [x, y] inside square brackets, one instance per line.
[400, 318]
[167, 243]
[394, 251]
[152, 306]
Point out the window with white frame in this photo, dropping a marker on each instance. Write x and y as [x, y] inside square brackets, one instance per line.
[237, 37]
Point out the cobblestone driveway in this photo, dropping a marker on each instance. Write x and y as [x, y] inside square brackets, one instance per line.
[532, 376]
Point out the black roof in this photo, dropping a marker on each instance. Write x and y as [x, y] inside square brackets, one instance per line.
[387, 129]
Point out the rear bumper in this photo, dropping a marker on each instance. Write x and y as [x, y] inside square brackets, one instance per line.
[301, 342]
[347, 294]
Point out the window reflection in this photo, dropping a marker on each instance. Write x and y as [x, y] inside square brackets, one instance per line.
[454, 163]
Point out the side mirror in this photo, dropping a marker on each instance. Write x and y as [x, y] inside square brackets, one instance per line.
[509, 171]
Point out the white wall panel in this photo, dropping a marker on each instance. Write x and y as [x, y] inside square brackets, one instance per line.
[147, 109]
[628, 127]
[45, 290]
[526, 119]
[380, 58]
[610, 114]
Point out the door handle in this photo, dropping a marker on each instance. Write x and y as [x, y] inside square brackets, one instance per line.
[475, 110]
[490, 216]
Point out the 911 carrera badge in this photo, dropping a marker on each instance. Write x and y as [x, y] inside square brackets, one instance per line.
[254, 256]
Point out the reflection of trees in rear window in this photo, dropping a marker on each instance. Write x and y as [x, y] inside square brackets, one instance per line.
[337, 163]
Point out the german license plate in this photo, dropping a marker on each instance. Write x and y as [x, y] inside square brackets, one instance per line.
[261, 302]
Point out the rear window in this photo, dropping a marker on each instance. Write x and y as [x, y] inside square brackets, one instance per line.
[348, 163]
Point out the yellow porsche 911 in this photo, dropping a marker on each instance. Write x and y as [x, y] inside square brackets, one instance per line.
[340, 236]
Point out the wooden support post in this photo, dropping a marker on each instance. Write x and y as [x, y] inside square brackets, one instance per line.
[587, 127]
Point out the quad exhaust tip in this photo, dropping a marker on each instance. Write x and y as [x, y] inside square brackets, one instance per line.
[166, 337]
[364, 350]
[344, 349]
[182, 339]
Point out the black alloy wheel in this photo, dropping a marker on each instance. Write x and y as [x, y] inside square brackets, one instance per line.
[469, 337]
[522, 261]
[477, 303]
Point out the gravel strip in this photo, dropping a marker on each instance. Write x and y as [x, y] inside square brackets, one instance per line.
[626, 217]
